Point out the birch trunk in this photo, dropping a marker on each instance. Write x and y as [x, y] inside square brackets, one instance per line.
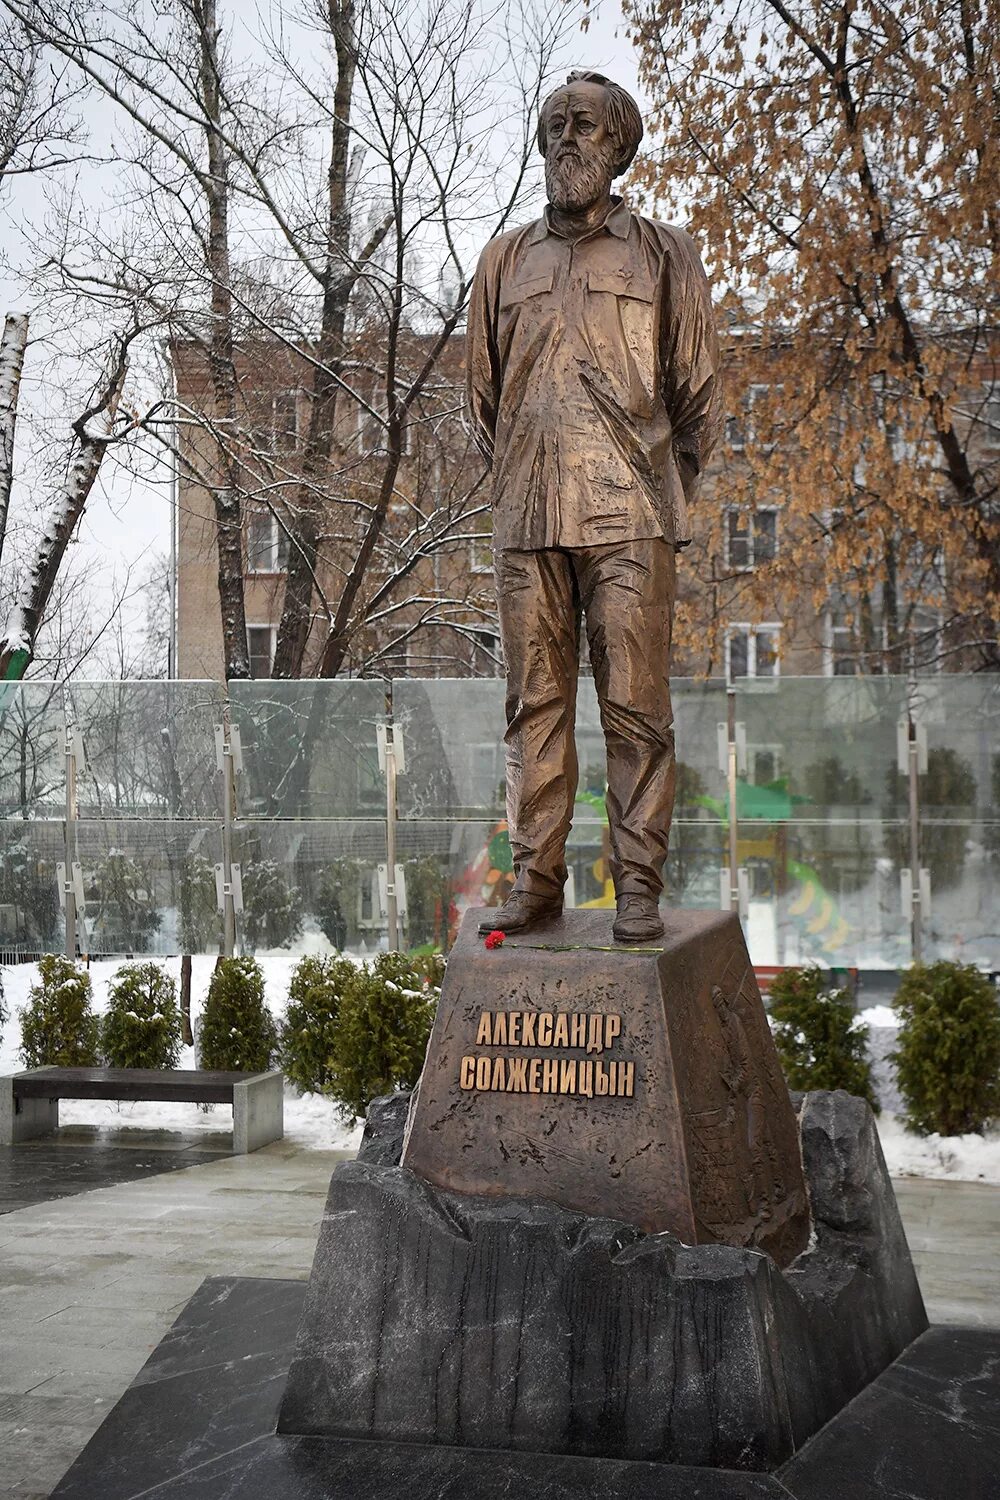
[21, 631]
[12, 347]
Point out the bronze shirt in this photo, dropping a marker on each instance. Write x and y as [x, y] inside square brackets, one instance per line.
[593, 381]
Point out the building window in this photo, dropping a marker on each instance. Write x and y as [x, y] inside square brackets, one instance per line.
[261, 641]
[481, 554]
[990, 416]
[487, 656]
[285, 421]
[751, 537]
[267, 544]
[739, 425]
[752, 650]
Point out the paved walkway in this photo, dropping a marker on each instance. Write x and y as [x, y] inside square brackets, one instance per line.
[89, 1284]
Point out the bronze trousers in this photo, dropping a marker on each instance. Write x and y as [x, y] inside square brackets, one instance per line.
[625, 592]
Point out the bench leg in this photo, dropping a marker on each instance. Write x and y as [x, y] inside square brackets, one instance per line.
[23, 1119]
[258, 1112]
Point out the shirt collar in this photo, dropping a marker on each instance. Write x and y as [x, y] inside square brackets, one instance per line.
[617, 223]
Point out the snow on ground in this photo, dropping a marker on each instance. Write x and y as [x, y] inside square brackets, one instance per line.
[313, 1121]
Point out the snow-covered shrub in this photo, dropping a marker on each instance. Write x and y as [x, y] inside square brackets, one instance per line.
[3, 1010]
[381, 1032]
[948, 1050]
[141, 1027]
[126, 915]
[821, 1042]
[200, 918]
[272, 909]
[336, 900]
[58, 1026]
[309, 1029]
[237, 1030]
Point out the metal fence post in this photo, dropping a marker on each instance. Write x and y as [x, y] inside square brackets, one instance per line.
[392, 761]
[69, 889]
[228, 875]
[911, 759]
[734, 890]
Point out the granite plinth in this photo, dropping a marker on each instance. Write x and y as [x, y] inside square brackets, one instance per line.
[442, 1318]
[635, 1084]
[198, 1424]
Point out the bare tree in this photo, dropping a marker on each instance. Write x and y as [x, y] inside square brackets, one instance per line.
[315, 222]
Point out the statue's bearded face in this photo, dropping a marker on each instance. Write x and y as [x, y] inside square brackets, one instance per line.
[581, 156]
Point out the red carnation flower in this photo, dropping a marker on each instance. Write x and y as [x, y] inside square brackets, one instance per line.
[494, 939]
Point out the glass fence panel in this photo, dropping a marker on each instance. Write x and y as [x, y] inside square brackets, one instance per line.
[32, 750]
[311, 885]
[826, 892]
[960, 816]
[149, 885]
[310, 749]
[30, 917]
[821, 747]
[452, 733]
[149, 748]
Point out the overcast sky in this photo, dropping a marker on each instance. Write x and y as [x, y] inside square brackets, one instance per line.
[126, 525]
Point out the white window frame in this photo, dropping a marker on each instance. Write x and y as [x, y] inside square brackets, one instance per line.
[482, 651]
[278, 537]
[476, 564]
[263, 625]
[284, 439]
[744, 416]
[830, 647]
[751, 516]
[990, 414]
[744, 627]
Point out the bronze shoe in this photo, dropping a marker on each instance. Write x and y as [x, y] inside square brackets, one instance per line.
[638, 919]
[521, 910]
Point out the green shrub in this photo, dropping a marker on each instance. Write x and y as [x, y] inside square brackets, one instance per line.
[58, 1027]
[821, 1042]
[272, 909]
[141, 1027]
[237, 1029]
[380, 1035]
[309, 1029]
[948, 1050]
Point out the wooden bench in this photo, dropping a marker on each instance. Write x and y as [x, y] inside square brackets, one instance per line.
[29, 1102]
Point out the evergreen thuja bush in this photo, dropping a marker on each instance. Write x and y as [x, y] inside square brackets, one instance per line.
[308, 1033]
[237, 1029]
[947, 1053]
[381, 1032]
[821, 1042]
[141, 1027]
[58, 1026]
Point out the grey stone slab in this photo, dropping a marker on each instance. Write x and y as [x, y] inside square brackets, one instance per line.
[258, 1112]
[190, 1428]
[520, 1325]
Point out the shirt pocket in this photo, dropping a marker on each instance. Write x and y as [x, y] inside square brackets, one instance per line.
[634, 314]
[521, 296]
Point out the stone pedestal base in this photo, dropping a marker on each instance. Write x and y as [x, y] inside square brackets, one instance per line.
[636, 1084]
[439, 1318]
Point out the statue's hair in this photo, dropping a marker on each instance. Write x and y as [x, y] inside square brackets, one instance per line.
[623, 117]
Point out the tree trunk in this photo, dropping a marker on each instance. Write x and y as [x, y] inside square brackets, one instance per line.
[187, 1035]
[338, 283]
[226, 495]
[20, 633]
[12, 347]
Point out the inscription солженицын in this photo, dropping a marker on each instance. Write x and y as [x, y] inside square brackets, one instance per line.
[548, 1075]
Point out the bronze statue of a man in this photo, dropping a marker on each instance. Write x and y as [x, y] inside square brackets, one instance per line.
[593, 388]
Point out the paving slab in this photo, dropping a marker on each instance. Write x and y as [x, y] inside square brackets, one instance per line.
[145, 1246]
